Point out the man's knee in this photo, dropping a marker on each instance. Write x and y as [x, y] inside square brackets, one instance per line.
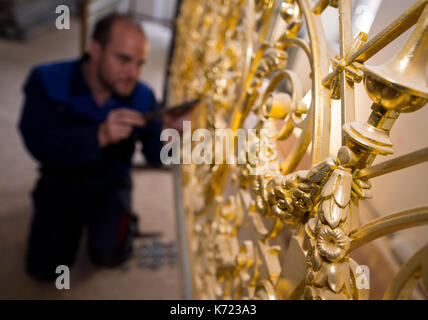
[116, 254]
[41, 261]
[111, 242]
[40, 273]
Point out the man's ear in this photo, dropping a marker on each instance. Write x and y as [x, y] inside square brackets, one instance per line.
[95, 50]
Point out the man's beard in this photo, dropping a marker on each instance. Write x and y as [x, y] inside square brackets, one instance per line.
[109, 85]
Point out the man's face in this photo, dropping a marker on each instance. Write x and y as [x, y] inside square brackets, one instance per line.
[120, 62]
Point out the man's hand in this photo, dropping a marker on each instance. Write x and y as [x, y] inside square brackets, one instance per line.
[118, 126]
[175, 121]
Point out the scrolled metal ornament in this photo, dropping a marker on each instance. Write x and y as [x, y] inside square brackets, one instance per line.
[285, 226]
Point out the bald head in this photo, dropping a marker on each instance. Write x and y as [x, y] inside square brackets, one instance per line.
[104, 27]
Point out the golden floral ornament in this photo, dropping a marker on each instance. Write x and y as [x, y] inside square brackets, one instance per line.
[331, 213]
[301, 200]
[332, 243]
[329, 282]
[292, 198]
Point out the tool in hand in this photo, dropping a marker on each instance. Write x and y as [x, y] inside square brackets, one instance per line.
[175, 110]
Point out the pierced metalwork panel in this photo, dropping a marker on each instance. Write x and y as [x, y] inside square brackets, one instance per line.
[284, 227]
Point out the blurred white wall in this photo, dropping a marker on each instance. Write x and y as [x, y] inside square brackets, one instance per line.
[406, 188]
[159, 9]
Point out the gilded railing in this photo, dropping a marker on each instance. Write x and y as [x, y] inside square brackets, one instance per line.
[264, 229]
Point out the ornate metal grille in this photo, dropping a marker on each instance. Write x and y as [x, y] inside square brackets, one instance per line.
[286, 233]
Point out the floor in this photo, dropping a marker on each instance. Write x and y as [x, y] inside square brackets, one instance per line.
[153, 197]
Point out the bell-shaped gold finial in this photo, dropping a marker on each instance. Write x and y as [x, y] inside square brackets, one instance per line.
[400, 84]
